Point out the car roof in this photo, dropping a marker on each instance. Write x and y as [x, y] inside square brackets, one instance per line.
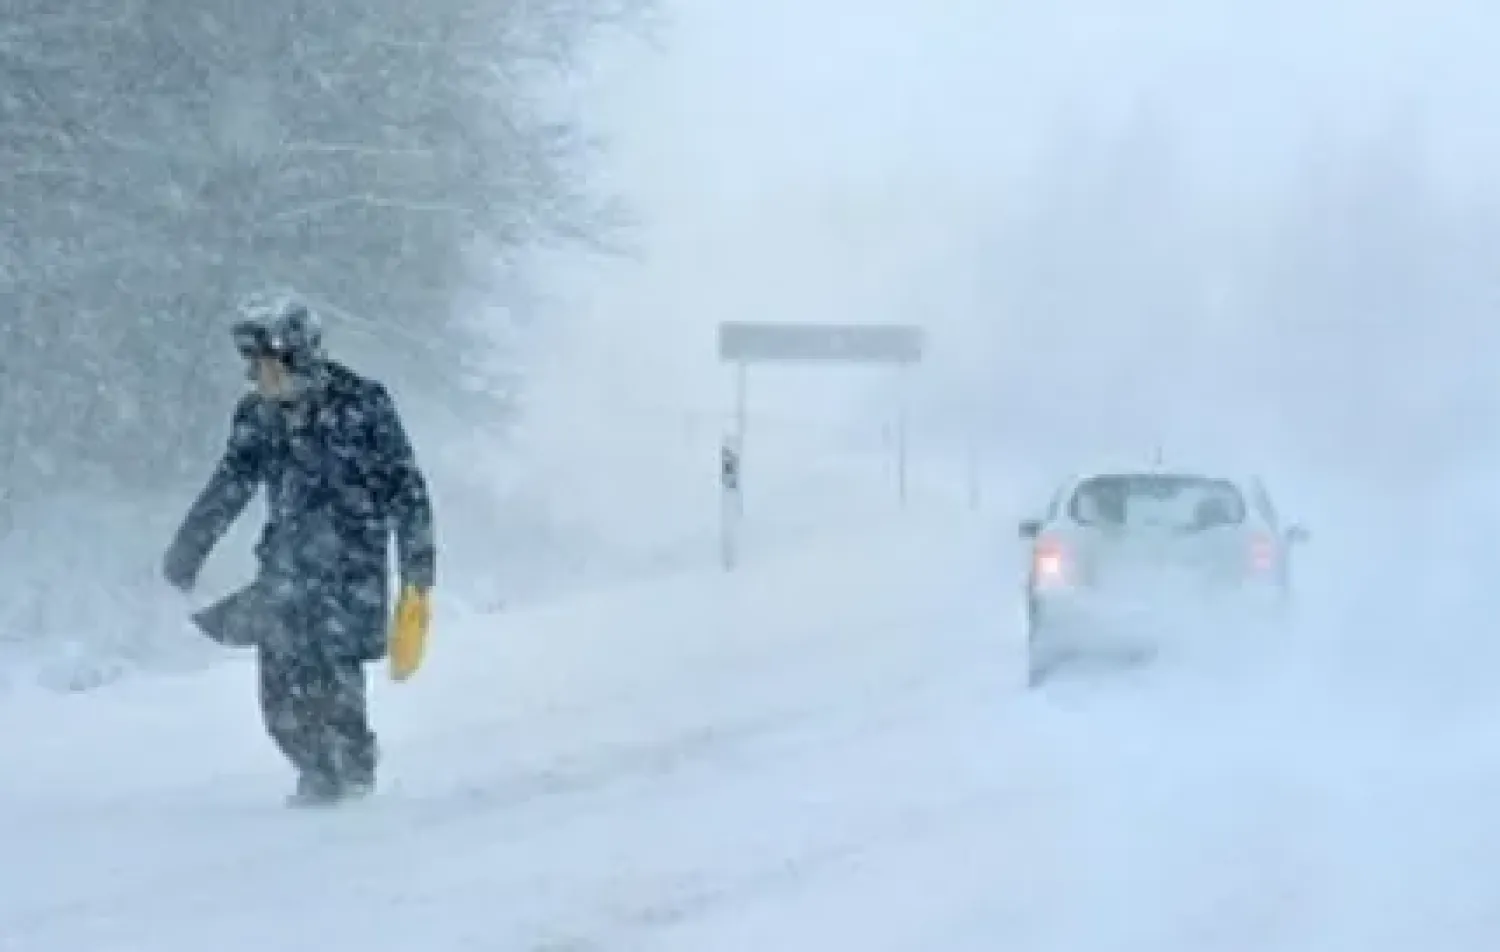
[1066, 488]
[1204, 472]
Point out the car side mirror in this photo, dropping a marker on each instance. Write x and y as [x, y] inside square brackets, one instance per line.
[1030, 528]
[1296, 535]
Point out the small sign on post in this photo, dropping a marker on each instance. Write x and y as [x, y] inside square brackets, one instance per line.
[729, 468]
[731, 504]
[744, 343]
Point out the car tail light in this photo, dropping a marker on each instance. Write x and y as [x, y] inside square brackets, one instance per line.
[1049, 562]
[1262, 553]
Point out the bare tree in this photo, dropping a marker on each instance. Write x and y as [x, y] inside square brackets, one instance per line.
[157, 157]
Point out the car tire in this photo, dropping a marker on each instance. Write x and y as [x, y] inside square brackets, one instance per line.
[1037, 673]
[1041, 663]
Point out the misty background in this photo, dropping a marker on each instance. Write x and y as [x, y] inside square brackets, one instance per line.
[1259, 229]
[1266, 229]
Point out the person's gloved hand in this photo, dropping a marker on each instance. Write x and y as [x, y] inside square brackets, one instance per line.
[408, 637]
[180, 569]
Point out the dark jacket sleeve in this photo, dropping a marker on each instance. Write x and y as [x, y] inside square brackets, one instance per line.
[407, 505]
[229, 489]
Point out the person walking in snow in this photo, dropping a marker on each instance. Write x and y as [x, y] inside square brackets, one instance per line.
[340, 478]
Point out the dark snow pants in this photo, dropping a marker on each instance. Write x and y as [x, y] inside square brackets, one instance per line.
[315, 709]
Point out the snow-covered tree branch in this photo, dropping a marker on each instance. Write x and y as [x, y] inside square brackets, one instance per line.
[162, 156]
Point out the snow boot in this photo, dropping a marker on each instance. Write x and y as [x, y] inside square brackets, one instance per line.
[357, 789]
[313, 790]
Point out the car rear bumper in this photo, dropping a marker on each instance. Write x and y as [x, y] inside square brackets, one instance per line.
[1069, 626]
[1098, 624]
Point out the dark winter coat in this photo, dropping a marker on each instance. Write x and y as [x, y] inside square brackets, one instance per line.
[340, 478]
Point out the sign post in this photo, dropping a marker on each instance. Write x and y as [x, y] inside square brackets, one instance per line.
[744, 343]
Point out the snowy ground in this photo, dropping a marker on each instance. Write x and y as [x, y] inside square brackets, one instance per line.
[825, 751]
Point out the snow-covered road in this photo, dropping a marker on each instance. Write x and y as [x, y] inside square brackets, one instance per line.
[824, 752]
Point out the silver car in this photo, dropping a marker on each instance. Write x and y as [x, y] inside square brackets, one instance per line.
[1121, 561]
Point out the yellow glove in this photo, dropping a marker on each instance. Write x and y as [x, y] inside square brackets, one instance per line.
[408, 637]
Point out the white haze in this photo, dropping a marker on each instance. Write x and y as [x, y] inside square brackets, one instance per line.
[1260, 229]
[1257, 232]
[1138, 221]
[1260, 232]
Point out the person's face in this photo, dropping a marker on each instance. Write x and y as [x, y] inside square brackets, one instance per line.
[272, 379]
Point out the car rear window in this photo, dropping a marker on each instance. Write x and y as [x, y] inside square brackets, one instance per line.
[1157, 501]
